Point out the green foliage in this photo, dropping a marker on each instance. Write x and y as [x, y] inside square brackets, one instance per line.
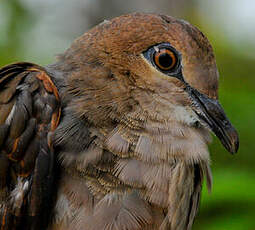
[231, 205]
[18, 21]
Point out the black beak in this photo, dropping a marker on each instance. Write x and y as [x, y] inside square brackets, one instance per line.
[210, 111]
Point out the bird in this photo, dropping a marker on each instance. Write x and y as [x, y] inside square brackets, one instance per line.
[114, 135]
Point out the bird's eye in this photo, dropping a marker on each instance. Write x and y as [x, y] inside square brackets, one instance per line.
[165, 59]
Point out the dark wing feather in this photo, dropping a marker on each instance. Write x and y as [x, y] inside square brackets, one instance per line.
[29, 112]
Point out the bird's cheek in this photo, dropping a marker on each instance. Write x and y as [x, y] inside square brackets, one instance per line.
[182, 99]
[185, 115]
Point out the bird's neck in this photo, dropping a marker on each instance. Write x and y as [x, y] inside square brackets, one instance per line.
[156, 141]
[129, 126]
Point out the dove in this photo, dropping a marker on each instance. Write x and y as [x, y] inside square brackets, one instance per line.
[114, 134]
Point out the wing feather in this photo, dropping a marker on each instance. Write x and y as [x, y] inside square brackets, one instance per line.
[29, 111]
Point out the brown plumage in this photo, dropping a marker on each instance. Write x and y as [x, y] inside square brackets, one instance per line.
[114, 135]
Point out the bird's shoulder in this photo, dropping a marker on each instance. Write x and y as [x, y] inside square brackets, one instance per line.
[30, 111]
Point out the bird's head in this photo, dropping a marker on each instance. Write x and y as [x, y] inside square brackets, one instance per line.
[153, 66]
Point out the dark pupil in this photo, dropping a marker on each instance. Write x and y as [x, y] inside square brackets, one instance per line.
[165, 60]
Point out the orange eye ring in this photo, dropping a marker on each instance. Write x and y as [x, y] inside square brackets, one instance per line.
[165, 59]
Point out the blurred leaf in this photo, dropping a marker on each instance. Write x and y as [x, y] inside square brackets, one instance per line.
[231, 204]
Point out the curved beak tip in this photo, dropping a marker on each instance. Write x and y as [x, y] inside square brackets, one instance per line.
[228, 137]
[210, 111]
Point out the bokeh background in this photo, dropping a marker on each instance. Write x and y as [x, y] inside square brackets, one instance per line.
[38, 30]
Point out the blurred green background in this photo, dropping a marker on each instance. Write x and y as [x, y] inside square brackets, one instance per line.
[36, 31]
